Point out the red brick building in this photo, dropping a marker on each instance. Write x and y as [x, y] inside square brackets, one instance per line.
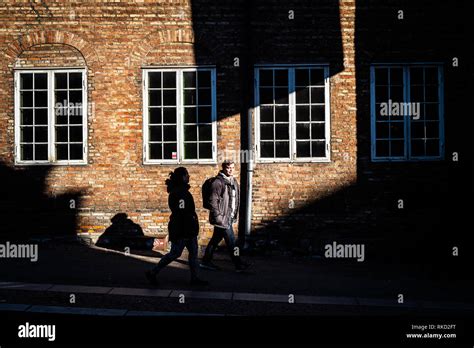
[102, 99]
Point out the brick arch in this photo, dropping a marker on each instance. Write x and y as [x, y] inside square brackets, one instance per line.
[29, 40]
[164, 36]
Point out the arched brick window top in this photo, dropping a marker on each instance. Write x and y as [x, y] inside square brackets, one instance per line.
[50, 56]
[43, 40]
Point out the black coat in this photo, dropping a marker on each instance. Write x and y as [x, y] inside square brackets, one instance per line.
[184, 222]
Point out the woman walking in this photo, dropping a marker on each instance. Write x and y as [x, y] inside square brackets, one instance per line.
[183, 227]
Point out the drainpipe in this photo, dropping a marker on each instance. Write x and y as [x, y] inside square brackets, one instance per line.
[246, 111]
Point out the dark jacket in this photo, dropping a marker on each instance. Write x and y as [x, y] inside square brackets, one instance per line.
[184, 222]
[221, 203]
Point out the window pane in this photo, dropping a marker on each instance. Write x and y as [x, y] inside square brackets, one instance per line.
[168, 150]
[204, 78]
[189, 79]
[155, 133]
[381, 76]
[266, 78]
[75, 134]
[26, 134]
[154, 79]
[317, 131]
[266, 149]
[205, 132]
[190, 150]
[60, 98]
[204, 96]
[156, 151]
[397, 148]
[431, 76]
[41, 116]
[75, 80]
[75, 151]
[26, 99]
[266, 132]
[396, 93]
[417, 129]
[190, 115]
[190, 97]
[302, 95]
[416, 76]
[317, 95]
[169, 97]
[266, 114]
[317, 112]
[266, 95]
[75, 97]
[60, 80]
[41, 81]
[169, 133]
[432, 147]
[417, 94]
[62, 152]
[155, 115]
[431, 93]
[61, 115]
[205, 114]
[303, 149]
[154, 98]
[26, 81]
[41, 152]
[26, 116]
[317, 77]
[432, 129]
[205, 150]
[75, 116]
[169, 80]
[281, 114]
[282, 149]
[26, 152]
[431, 111]
[396, 76]
[61, 134]
[302, 113]
[318, 149]
[41, 99]
[382, 130]
[397, 130]
[281, 78]
[190, 133]
[169, 115]
[381, 94]
[41, 134]
[302, 77]
[382, 148]
[417, 148]
[302, 131]
[282, 131]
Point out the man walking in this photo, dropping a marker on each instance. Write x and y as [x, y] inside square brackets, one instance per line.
[224, 199]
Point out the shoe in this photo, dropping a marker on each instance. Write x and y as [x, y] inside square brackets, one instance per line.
[209, 265]
[242, 266]
[151, 277]
[199, 282]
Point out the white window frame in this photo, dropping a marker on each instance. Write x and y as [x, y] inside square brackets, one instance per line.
[180, 115]
[51, 117]
[407, 125]
[292, 113]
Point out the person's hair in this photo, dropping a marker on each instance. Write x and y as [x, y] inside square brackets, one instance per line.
[227, 163]
[177, 178]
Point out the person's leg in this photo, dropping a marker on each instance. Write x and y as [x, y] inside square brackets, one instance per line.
[230, 243]
[175, 252]
[213, 243]
[192, 246]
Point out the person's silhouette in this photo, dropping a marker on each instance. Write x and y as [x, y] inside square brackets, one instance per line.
[183, 227]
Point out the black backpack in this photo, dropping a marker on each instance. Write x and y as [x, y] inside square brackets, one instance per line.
[206, 191]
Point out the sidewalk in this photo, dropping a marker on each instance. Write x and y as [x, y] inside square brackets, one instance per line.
[61, 263]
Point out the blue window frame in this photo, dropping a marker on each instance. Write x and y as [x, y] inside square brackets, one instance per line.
[407, 112]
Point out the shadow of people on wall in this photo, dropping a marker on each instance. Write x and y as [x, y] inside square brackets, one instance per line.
[124, 233]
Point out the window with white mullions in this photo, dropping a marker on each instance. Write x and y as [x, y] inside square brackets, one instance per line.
[407, 112]
[180, 115]
[292, 113]
[50, 109]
